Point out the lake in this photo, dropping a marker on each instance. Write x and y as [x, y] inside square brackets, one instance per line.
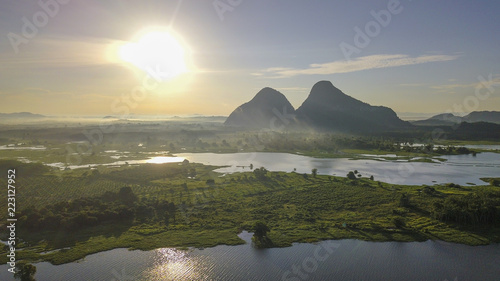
[328, 260]
[459, 169]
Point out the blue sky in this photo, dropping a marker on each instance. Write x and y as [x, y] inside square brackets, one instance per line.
[429, 57]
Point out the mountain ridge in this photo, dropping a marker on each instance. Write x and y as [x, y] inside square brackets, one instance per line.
[21, 115]
[325, 108]
[449, 119]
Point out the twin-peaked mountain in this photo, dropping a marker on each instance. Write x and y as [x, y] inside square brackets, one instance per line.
[326, 108]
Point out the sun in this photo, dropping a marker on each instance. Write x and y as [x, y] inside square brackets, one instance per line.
[159, 53]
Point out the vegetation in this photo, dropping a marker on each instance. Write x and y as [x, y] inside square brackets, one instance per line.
[477, 208]
[314, 172]
[65, 215]
[25, 271]
[351, 175]
[73, 215]
[151, 206]
[260, 238]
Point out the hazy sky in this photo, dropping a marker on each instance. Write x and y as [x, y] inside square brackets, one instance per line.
[413, 56]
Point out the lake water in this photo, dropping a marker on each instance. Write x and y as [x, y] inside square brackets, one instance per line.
[327, 260]
[14, 147]
[459, 169]
[151, 160]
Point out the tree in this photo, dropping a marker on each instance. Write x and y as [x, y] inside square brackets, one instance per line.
[260, 173]
[25, 272]
[261, 230]
[171, 210]
[495, 182]
[126, 195]
[314, 172]
[166, 218]
[399, 222]
[404, 200]
[260, 238]
[351, 175]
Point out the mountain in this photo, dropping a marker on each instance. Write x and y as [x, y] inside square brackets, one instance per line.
[448, 119]
[268, 109]
[444, 119]
[21, 115]
[483, 116]
[328, 108]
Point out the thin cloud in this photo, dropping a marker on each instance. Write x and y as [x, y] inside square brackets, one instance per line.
[450, 88]
[487, 82]
[412, 85]
[359, 64]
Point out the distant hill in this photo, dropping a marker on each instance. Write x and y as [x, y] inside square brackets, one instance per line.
[476, 131]
[444, 119]
[21, 115]
[448, 119]
[265, 110]
[328, 108]
[483, 116]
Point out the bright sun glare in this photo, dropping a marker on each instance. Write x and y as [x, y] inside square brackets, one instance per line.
[158, 53]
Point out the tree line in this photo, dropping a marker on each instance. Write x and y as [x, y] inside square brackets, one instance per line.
[121, 206]
[475, 208]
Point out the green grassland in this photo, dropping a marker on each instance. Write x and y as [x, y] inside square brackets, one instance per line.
[211, 209]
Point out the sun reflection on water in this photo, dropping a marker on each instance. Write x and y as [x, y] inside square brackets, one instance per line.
[164, 159]
[174, 264]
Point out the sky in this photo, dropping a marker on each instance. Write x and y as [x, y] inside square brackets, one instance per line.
[62, 57]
